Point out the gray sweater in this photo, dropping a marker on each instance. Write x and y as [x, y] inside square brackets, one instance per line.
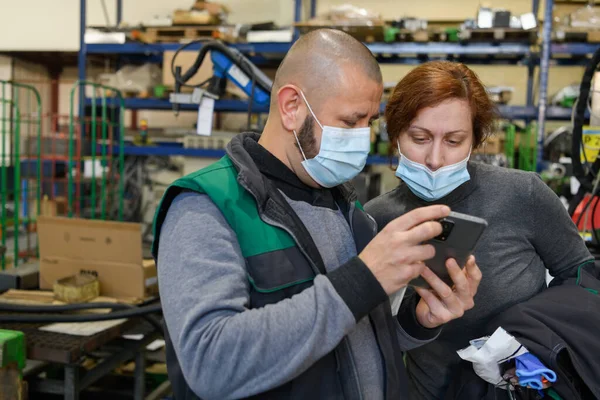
[529, 231]
[228, 351]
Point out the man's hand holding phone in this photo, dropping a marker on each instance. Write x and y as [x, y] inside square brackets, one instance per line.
[397, 255]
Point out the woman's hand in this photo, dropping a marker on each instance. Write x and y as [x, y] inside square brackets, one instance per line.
[442, 304]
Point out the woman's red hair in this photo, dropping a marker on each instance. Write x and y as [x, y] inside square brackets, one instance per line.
[429, 85]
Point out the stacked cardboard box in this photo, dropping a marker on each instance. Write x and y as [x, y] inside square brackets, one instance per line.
[111, 251]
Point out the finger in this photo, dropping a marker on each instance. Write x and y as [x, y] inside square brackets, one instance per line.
[459, 278]
[418, 216]
[427, 295]
[474, 273]
[416, 254]
[411, 271]
[462, 285]
[444, 292]
[421, 233]
[438, 313]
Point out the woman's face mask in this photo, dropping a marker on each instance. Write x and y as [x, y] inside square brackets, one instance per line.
[435, 149]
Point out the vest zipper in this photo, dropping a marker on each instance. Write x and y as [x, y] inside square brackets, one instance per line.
[304, 253]
[346, 346]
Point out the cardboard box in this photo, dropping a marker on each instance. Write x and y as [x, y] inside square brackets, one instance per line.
[112, 251]
[194, 17]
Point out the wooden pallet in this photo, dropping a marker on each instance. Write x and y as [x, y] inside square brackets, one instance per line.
[498, 35]
[137, 95]
[367, 34]
[576, 35]
[178, 33]
[421, 36]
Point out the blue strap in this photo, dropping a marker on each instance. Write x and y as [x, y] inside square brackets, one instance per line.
[531, 371]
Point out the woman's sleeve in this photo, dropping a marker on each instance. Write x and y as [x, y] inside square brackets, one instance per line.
[555, 236]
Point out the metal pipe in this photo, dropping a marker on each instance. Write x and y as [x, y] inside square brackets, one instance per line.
[81, 62]
[530, 79]
[111, 363]
[104, 144]
[4, 177]
[535, 7]
[121, 156]
[139, 389]
[543, 89]
[70, 164]
[313, 8]
[297, 17]
[161, 391]
[93, 140]
[17, 176]
[119, 12]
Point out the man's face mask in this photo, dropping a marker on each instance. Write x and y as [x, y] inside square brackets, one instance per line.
[342, 155]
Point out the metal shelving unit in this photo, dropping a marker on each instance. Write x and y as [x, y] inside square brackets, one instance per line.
[404, 53]
[176, 149]
[225, 105]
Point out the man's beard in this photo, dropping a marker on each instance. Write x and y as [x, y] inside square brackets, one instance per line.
[306, 137]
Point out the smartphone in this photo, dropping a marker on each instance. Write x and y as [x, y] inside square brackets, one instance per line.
[460, 234]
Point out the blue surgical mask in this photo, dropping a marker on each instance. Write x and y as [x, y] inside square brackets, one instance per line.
[432, 185]
[342, 155]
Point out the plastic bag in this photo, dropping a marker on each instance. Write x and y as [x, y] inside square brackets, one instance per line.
[134, 79]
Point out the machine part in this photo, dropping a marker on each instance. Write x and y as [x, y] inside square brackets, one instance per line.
[558, 144]
[191, 98]
[25, 277]
[586, 174]
[228, 63]
[12, 363]
[501, 19]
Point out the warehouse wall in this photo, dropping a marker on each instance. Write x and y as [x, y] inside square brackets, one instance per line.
[55, 24]
[58, 20]
[36, 75]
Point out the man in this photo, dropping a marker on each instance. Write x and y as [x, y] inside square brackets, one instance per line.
[272, 280]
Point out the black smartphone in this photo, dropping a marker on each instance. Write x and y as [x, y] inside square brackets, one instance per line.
[460, 234]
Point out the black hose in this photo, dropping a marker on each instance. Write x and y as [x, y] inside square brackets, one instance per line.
[62, 308]
[235, 56]
[194, 68]
[585, 178]
[49, 318]
[594, 231]
[251, 99]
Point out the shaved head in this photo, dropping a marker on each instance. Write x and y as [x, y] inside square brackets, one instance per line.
[318, 59]
[327, 79]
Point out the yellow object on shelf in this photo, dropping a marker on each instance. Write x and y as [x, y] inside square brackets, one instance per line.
[591, 143]
[77, 288]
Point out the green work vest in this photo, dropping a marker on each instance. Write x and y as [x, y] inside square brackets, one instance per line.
[280, 263]
[255, 237]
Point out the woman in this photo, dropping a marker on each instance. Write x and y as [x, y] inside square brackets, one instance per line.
[436, 116]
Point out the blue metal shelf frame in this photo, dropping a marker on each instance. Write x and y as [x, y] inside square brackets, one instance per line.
[408, 53]
[441, 48]
[164, 104]
[179, 150]
[544, 72]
